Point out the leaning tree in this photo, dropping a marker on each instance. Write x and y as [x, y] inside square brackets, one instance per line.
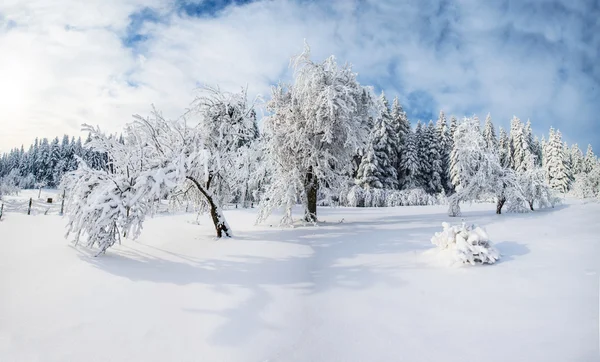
[207, 148]
[315, 127]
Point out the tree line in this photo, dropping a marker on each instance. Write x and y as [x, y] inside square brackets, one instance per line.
[45, 162]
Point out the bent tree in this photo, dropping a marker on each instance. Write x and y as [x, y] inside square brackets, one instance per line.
[315, 127]
[207, 147]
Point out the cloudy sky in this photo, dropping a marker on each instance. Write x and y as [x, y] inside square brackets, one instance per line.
[65, 62]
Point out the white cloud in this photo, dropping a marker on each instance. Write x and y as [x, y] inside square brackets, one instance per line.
[65, 64]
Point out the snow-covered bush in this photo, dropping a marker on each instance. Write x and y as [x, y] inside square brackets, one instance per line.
[356, 196]
[9, 184]
[587, 184]
[467, 244]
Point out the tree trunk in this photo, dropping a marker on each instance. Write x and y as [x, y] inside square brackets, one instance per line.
[530, 204]
[312, 188]
[215, 212]
[501, 201]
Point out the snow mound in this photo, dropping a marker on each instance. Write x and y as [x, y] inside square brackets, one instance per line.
[466, 243]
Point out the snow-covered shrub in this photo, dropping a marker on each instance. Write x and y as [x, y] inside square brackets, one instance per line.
[467, 243]
[9, 184]
[355, 197]
[587, 185]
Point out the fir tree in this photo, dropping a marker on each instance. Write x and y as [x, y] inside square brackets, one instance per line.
[557, 174]
[444, 147]
[489, 135]
[402, 126]
[369, 172]
[434, 178]
[423, 154]
[504, 148]
[410, 163]
[578, 162]
[385, 140]
[590, 159]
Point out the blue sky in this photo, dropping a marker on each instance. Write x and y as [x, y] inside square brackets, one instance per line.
[67, 62]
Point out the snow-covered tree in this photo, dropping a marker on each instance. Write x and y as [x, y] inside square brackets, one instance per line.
[402, 126]
[312, 134]
[590, 160]
[385, 141]
[369, 173]
[423, 154]
[156, 157]
[410, 162]
[434, 160]
[587, 184]
[557, 173]
[520, 149]
[489, 134]
[477, 172]
[444, 148]
[577, 159]
[535, 188]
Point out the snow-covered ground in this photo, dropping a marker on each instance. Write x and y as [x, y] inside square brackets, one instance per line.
[364, 286]
[39, 202]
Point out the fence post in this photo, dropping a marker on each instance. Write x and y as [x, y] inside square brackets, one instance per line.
[62, 204]
[1, 210]
[29, 208]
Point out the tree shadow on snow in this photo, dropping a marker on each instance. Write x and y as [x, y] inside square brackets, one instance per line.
[511, 249]
[336, 262]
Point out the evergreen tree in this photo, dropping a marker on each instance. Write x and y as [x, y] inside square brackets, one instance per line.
[410, 163]
[385, 140]
[423, 154]
[558, 177]
[544, 151]
[528, 132]
[537, 147]
[489, 135]
[369, 172]
[520, 150]
[504, 148]
[590, 159]
[402, 126]
[444, 147]
[578, 162]
[568, 162]
[434, 179]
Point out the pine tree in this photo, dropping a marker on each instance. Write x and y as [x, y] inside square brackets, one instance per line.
[369, 172]
[385, 140]
[528, 132]
[423, 154]
[489, 135]
[558, 177]
[443, 135]
[544, 151]
[538, 153]
[590, 159]
[410, 163]
[434, 179]
[402, 126]
[520, 150]
[578, 162]
[504, 148]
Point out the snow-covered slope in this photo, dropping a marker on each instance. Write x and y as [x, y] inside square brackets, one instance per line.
[363, 286]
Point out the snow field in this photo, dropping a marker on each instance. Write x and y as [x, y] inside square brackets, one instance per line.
[370, 288]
